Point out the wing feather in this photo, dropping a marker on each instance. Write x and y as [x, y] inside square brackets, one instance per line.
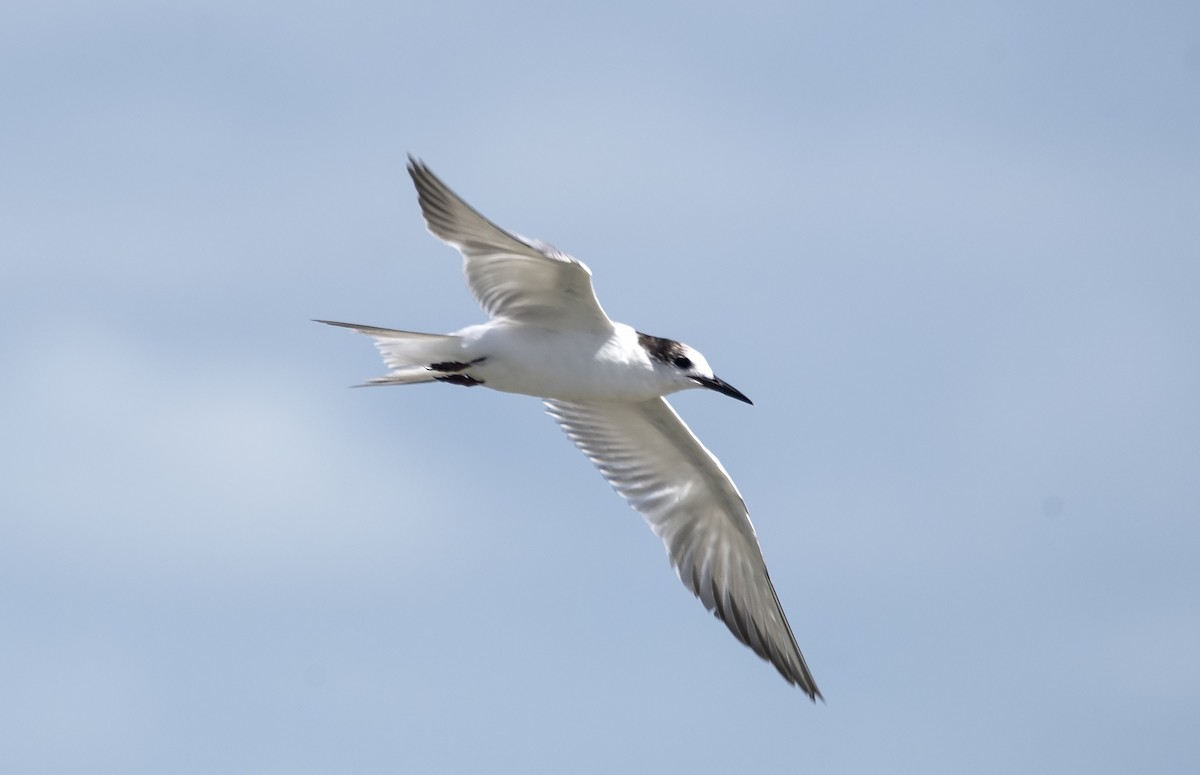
[653, 460]
[510, 276]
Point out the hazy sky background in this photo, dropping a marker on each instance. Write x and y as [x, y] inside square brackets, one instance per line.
[952, 251]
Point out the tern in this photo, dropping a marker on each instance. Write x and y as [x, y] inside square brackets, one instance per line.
[604, 382]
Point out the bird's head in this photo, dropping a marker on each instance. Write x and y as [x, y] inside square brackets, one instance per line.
[686, 366]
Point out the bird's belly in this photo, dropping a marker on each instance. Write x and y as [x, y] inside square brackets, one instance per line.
[553, 366]
[567, 382]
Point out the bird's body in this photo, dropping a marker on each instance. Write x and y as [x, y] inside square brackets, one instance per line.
[566, 364]
[604, 383]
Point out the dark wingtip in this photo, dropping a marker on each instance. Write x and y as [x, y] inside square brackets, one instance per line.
[417, 169]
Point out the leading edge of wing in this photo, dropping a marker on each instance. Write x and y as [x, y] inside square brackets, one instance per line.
[655, 462]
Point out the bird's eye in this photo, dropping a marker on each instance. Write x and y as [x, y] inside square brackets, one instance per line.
[682, 361]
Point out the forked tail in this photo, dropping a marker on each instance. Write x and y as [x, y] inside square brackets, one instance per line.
[412, 357]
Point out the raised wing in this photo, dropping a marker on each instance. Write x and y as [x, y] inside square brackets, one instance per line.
[652, 459]
[510, 276]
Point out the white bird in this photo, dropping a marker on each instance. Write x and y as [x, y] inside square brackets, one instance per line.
[604, 383]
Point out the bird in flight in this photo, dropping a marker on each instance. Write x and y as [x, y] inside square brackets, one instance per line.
[604, 383]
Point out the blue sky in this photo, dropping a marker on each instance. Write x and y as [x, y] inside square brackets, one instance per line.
[950, 250]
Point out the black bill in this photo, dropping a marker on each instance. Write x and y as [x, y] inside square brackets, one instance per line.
[721, 386]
